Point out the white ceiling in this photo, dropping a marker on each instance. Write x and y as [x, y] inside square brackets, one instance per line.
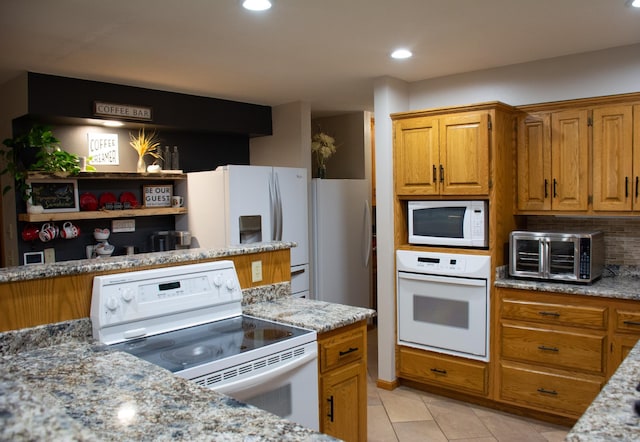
[325, 52]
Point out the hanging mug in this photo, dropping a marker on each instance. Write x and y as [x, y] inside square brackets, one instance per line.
[30, 233]
[69, 231]
[48, 232]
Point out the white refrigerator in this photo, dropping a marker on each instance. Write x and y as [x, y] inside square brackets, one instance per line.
[237, 204]
[341, 241]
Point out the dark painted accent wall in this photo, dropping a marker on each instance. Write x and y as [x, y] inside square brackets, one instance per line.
[209, 132]
[55, 96]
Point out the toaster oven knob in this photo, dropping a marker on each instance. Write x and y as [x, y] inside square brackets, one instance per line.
[112, 303]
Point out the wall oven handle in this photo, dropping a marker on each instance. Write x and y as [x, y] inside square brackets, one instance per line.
[435, 278]
[251, 382]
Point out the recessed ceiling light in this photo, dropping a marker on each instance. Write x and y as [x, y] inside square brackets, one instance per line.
[256, 5]
[634, 3]
[401, 53]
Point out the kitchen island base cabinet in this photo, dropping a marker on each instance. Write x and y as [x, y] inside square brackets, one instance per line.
[343, 382]
[443, 371]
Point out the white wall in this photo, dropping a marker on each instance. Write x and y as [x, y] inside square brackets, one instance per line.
[290, 144]
[592, 74]
[607, 72]
[390, 96]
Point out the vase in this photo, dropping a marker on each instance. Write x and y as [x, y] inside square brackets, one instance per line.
[141, 166]
[322, 172]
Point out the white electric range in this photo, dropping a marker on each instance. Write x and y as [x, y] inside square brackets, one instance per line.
[188, 319]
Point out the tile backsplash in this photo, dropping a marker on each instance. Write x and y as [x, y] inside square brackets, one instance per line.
[621, 235]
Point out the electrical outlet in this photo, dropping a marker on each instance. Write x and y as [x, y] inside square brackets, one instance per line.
[49, 256]
[256, 271]
[123, 225]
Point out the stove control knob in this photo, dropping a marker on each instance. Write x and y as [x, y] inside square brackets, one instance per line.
[217, 281]
[127, 294]
[230, 285]
[112, 303]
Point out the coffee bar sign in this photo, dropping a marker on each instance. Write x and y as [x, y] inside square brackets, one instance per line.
[113, 110]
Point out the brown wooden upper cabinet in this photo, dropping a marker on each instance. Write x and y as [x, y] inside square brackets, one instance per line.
[580, 157]
[443, 154]
[553, 161]
[616, 166]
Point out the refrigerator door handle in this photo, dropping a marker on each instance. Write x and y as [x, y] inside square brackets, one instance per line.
[366, 249]
[277, 216]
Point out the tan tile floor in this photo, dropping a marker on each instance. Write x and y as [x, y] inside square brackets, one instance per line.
[406, 415]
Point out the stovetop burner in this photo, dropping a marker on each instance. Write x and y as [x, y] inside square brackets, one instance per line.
[189, 347]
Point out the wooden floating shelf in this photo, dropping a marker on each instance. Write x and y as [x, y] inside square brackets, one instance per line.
[100, 214]
[165, 175]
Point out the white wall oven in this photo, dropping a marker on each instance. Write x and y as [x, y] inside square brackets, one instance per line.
[443, 302]
[188, 319]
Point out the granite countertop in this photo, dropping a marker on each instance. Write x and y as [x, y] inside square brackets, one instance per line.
[56, 383]
[610, 417]
[617, 282]
[75, 267]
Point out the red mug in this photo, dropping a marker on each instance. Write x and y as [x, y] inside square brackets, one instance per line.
[30, 232]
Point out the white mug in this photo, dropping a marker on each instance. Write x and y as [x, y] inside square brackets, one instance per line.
[177, 201]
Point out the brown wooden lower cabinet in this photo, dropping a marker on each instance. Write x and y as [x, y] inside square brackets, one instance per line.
[555, 351]
[538, 387]
[343, 382]
[443, 371]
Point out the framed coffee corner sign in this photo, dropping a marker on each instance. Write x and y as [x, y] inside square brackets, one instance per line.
[55, 196]
[158, 196]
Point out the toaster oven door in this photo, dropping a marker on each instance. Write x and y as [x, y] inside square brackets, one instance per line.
[563, 262]
[527, 256]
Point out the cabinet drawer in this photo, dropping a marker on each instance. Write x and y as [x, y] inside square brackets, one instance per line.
[548, 390]
[558, 348]
[342, 349]
[421, 366]
[627, 320]
[548, 313]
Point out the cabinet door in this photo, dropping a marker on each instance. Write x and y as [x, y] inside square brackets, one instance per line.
[636, 157]
[464, 154]
[343, 403]
[612, 158]
[416, 156]
[569, 160]
[621, 345]
[534, 162]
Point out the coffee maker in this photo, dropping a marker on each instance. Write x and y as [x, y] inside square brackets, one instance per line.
[164, 240]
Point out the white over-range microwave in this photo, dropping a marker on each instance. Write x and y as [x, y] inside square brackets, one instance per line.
[449, 223]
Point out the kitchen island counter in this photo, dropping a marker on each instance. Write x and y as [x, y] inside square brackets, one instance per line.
[314, 315]
[111, 264]
[611, 417]
[57, 383]
[81, 391]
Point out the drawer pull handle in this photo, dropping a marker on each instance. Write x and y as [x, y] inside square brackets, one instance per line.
[544, 347]
[351, 350]
[545, 391]
[631, 322]
[554, 314]
[438, 371]
[330, 415]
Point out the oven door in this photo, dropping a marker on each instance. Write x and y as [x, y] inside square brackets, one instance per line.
[288, 390]
[444, 314]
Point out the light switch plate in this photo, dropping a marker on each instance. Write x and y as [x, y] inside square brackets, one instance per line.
[49, 256]
[256, 271]
[123, 225]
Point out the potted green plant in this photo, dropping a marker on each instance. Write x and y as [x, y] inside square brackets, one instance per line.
[38, 149]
